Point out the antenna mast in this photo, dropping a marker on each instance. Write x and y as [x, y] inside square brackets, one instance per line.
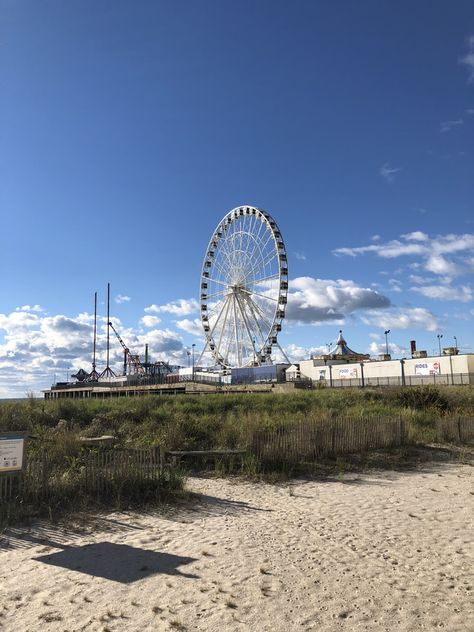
[107, 372]
[94, 376]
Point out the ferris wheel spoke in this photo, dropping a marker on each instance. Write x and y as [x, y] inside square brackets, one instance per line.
[268, 259]
[236, 332]
[222, 270]
[223, 326]
[252, 311]
[268, 298]
[246, 322]
[271, 277]
[257, 239]
[217, 321]
[214, 280]
[260, 311]
[227, 253]
[218, 293]
[262, 247]
[259, 266]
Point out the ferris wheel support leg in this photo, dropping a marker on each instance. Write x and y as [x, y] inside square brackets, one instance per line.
[284, 354]
[202, 353]
[248, 330]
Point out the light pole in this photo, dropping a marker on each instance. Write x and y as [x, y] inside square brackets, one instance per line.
[193, 345]
[456, 343]
[439, 336]
[386, 332]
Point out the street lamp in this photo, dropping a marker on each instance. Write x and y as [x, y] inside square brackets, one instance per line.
[439, 336]
[456, 342]
[193, 345]
[386, 332]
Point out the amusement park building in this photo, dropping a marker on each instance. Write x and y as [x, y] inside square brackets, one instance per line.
[344, 367]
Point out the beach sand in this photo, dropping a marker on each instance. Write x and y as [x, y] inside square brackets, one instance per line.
[378, 551]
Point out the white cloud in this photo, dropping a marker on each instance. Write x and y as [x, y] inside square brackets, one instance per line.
[388, 173]
[431, 250]
[447, 126]
[320, 300]
[421, 280]
[193, 327]
[29, 308]
[468, 59]
[390, 250]
[446, 293]
[150, 321]
[375, 238]
[470, 111]
[300, 256]
[296, 353]
[402, 318]
[120, 298]
[395, 285]
[442, 266]
[181, 307]
[377, 348]
[36, 347]
[416, 235]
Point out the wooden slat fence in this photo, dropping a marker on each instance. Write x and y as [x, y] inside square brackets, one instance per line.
[316, 439]
[455, 429]
[93, 472]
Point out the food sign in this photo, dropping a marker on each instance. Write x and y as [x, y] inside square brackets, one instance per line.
[348, 373]
[11, 452]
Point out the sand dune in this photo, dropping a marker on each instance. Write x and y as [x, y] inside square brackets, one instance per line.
[379, 551]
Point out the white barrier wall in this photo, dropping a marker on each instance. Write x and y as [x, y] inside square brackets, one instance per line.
[413, 367]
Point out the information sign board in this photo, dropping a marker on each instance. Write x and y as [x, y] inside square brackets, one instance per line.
[12, 447]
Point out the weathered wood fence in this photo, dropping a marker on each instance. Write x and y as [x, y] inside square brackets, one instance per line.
[310, 440]
[92, 472]
[455, 429]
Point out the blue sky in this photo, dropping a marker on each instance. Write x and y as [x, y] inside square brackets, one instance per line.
[128, 129]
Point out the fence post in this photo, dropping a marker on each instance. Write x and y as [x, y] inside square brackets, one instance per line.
[402, 431]
[459, 429]
[44, 474]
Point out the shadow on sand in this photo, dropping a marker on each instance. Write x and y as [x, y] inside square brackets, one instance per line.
[117, 562]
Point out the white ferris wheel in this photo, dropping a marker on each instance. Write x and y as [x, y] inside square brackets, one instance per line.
[244, 287]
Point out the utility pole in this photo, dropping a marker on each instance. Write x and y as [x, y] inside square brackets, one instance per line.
[439, 336]
[386, 332]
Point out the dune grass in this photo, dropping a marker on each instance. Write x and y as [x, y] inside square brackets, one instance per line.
[223, 421]
[201, 422]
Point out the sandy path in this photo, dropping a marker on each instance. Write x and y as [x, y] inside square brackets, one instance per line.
[383, 551]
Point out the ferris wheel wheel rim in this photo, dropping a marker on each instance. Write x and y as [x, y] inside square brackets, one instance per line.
[277, 315]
